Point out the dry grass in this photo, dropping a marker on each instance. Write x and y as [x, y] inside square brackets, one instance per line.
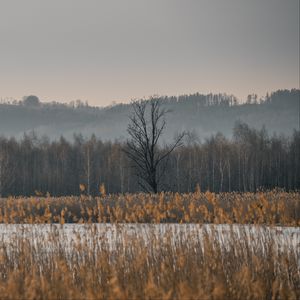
[189, 269]
[199, 269]
[275, 207]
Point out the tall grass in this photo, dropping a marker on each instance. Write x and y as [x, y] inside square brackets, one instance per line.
[159, 269]
[49, 266]
[274, 207]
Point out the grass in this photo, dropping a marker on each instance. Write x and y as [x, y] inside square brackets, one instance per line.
[274, 207]
[160, 269]
[189, 268]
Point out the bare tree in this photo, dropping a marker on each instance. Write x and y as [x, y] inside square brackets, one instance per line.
[147, 124]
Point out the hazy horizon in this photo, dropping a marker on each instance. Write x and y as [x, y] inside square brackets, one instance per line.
[105, 51]
[128, 101]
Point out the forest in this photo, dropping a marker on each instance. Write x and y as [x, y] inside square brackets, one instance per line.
[251, 160]
[206, 114]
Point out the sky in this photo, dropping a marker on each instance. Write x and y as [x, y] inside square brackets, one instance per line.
[114, 51]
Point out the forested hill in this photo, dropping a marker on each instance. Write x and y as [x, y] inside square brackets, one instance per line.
[203, 114]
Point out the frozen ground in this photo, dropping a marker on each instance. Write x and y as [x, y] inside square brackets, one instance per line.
[68, 236]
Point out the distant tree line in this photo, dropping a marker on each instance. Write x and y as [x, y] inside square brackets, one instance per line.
[250, 161]
[207, 114]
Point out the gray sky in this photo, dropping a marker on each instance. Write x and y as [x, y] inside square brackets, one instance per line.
[104, 51]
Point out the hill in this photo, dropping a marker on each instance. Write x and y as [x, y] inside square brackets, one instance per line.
[202, 114]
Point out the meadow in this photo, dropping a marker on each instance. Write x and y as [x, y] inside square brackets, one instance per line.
[272, 208]
[146, 246]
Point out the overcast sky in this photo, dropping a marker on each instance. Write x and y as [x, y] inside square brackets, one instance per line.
[104, 51]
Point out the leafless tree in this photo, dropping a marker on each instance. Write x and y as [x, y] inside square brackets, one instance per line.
[146, 126]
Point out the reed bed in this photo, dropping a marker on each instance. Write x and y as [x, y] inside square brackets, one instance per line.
[189, 246]
[273, 207]
[159, 266]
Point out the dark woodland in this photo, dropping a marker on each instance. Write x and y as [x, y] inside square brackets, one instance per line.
[250, 161]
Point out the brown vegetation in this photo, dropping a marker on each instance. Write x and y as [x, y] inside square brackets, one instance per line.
[158, 267]
[275, 207]
[199, 269]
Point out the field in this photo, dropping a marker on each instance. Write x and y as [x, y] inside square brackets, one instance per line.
[228, 246]
[272, 208]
